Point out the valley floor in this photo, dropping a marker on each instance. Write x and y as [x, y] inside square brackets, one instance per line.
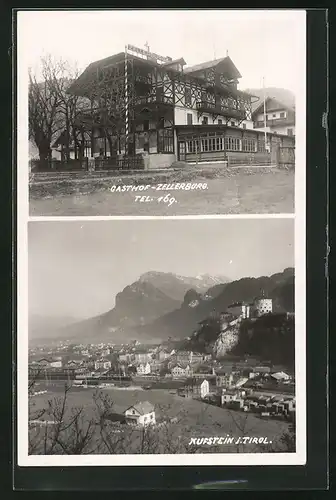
[195, 418]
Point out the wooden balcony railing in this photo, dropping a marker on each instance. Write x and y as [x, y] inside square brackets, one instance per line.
[211, 107]
[275, 122]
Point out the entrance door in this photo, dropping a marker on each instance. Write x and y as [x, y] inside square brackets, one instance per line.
[181, 151]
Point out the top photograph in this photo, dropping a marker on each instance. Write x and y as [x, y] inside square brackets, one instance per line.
[160, 113]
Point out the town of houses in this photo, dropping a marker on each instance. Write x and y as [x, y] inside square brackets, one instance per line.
[248, 384]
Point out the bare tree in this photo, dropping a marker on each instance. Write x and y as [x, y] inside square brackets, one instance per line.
[96, 430]
[53, 111]
[44, 118]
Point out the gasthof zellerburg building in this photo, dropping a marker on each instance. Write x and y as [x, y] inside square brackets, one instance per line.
[174, 112]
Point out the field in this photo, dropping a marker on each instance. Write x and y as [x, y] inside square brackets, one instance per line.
[196, 419]
[230, 191]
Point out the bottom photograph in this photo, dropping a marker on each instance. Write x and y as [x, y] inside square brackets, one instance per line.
[159, 337]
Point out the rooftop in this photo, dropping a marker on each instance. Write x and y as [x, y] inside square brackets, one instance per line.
[143, 407]
[226, 62]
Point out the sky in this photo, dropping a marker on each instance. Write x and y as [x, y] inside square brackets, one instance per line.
[269, 43]
[76, 268]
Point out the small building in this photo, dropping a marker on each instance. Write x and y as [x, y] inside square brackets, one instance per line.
[197, 387]
[279, 119]
[239, 309]
[181, 371]
[183, 356]
[143, 369]
[162, 354]
[228, 396]
[124, 357]
[261, 306]
[280, 376]
[102, 364]
[142, 356]
[261, 370]
[141, 414]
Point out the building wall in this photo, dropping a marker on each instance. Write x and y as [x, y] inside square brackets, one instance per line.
[283, 129]
[263, 306]
[272, 115]
[159, 160]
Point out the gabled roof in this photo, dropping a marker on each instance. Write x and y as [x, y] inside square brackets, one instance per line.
[175, 61]
[181, 365]
[277, 106]
[279, 375]
[143, 407]
[225, 61]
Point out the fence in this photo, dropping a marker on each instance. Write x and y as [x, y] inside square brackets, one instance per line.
[286, 156]
[120, 163]
[59, 165]
[253, 159]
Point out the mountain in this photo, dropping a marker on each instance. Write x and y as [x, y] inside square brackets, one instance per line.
[181, 322]
[284, 96]
[137, 304]
[176, 286]
[145, 312]
[153, 295]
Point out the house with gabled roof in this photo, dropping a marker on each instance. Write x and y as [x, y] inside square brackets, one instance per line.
[141, 414]
[280, 117]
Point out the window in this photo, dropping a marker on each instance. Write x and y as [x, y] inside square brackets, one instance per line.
[159, 93]
[290, 131]
[261, 146]
[146, 125]
[204, 145]
[220, 122]
[244, 125]
[205, 120]
[161, 122]
[282, 114]
[249, 145]
[274, 115]
[189, 119]
[232, 124]
[188, 97]
[165, 141]
[232, 144]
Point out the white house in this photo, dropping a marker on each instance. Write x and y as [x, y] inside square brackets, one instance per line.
[142, 357]
[230, 395]
[103, 363]
[181, 371]
[280, 376]
[141, 414]
[196, 387]
[143, 369]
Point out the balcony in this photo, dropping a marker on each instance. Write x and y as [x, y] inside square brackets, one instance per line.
[153, 100]
[278, 122]
[211, 107]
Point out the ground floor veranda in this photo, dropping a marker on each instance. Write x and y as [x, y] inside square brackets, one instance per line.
[161, 147]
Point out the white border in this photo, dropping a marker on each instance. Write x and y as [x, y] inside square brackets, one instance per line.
[24, 460]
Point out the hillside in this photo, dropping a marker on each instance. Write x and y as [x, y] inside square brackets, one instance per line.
[181, 322]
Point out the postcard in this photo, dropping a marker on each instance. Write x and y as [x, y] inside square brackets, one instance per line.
[161, 237]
